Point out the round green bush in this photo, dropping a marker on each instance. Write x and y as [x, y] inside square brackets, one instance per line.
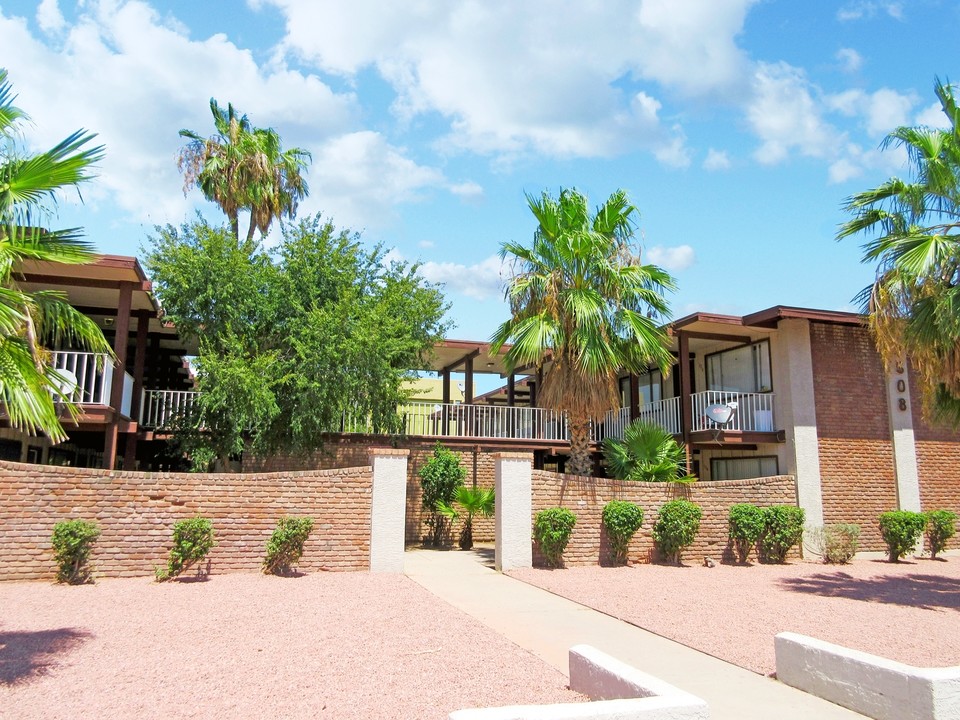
[746, 526]
[621, 520]
[782, 529]
[192, 540]
[72, 542]
[901, 529]
[941, 526]
[551, 530]
[285, 546]
[678, 523]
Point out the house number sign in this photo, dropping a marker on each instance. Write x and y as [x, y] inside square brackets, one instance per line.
[901, 388]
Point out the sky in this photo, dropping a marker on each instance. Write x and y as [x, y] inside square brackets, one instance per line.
[737, 127]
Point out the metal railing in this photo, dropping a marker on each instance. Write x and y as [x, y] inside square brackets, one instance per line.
[159, 408]
[754, 411]
[87, 378]
[665, 413]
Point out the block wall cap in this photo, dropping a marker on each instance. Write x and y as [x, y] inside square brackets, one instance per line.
[389, 452]
[513, 456]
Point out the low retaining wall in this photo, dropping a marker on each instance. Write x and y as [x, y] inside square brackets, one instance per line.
[136, 512]
[619, 692]
[586, 497]
[867, 684]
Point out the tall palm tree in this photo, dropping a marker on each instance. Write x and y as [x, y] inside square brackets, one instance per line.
[914, 304]
[242, 167]
[581, 299]
[29, 186]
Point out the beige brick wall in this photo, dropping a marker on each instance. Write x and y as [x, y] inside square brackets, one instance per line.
[136, 512]
[586, 498]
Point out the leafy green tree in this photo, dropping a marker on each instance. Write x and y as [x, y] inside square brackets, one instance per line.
[30, 183]
[914, 304]
[647, 453]
[583, 308]
[440, 478]
[243, 167]
[291, 343]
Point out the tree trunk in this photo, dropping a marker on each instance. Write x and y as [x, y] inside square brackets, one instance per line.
[581, 462]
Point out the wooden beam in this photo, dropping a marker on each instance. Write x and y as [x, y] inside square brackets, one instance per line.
[685, 391]
[120, 341]
[457, 363]
[720, 337]
[468, 380]
[144, 286]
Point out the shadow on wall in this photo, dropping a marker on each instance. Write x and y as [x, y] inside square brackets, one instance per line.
[927, 592]
[27, 655]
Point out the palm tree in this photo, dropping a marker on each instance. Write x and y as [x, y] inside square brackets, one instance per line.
[29, 186]
[647, 453]
[914, 304]
[583, 308]
[242, 167]
[474, 501]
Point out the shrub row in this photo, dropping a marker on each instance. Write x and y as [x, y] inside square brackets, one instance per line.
[773, 531]
[901, 529]
[193, 538]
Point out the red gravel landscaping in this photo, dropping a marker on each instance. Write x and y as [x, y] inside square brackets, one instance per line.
[907, 612]
[326, 645]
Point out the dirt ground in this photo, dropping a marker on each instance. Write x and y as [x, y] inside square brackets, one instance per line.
[907, 612]
[325, 645]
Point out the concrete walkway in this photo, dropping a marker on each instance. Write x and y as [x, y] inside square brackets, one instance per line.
[548, 625]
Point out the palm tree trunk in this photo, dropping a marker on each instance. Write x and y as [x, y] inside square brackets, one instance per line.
[251, 230]
[581, 462]
[235, 225]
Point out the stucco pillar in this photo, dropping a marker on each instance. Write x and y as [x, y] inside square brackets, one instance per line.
[514, 489]
[901, 435]
[798, 415]
[388, 508]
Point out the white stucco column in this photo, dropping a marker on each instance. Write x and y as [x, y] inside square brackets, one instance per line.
[901, 435]
[798, 415]
[514, 489]
[388, 508]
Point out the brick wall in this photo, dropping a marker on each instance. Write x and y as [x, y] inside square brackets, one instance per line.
[586, 497]
[345, 451]
[136, 512]
[853, 425]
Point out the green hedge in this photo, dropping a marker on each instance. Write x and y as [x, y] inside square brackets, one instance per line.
[551, 529]
[678, 523]
[621, 520]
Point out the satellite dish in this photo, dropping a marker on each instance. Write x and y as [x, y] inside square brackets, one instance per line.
[720, 413]
[66, 382]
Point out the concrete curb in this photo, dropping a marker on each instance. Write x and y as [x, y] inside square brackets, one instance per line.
[868, 684]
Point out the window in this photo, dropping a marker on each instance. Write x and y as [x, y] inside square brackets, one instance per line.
[742, 369]
[650, 387]
[743, 468]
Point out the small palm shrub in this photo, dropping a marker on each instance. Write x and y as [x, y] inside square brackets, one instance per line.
[192, 540]
[837, 544]
[440, 477]
[551, 530]
[941, 526]
[782, 529]
[678, 523]
[746, 525]
[72, 542]
[473, 501]
[901, 529]
[285, 546]
[647, 453]
[621, 520]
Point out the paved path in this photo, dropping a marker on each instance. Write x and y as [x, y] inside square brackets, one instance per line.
[548, 625]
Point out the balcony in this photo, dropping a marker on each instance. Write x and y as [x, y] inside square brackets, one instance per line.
[88, 379]
[754, 411]
[159, 409]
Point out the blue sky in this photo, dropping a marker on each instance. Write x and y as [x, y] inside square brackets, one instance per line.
[738, 127]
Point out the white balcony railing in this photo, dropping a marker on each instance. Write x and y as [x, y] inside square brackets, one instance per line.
[613, 425]
[665, 413]
[754, 411]
[88, 379]
[160, 408]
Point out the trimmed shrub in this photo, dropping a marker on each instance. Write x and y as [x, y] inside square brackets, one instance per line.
[837, 544]
[678, 523]
[192, 540]
[782, 529]
[551, 530]
[440, 477]
[285, 545]
[621, 520]
[72, 542]
[746, 526]
[900, 530]
[941, 526]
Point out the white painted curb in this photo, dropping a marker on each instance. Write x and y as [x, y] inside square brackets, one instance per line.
[868, 684]
[618, 692]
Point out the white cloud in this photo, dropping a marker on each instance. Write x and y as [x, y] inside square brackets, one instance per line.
[49, 17]
[479, 281]
[850, 60]
[467, 190]
[932, 116]
[515, 78]
[786, 116]
[854, 161]
[673, 259]
[716, 160]
[426, 244]
[870, 8]
[881, 111]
